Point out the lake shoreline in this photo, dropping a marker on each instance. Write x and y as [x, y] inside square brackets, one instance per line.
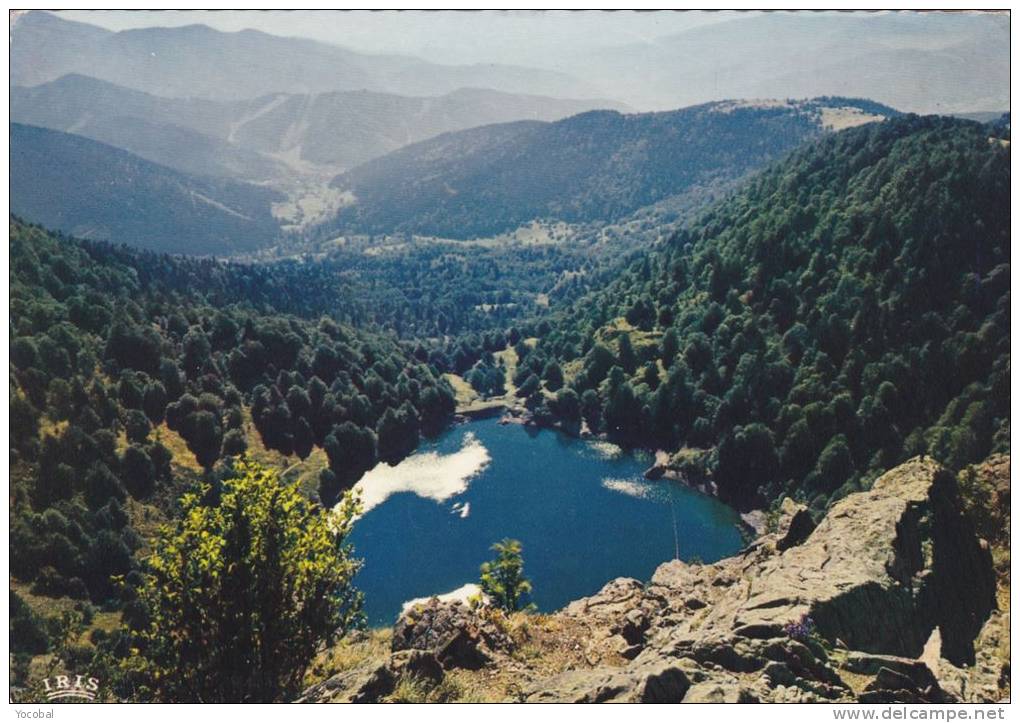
[752, 521]
[575, 505]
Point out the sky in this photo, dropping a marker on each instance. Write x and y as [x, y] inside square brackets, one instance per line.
[516, 37]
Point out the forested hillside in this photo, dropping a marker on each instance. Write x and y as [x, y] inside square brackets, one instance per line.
[187, 134]
[846, 311]
[597, 166]
[428, 291]
[133, 376]
[93, 190]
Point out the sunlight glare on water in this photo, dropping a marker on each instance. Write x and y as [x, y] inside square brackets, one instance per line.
[582, 510]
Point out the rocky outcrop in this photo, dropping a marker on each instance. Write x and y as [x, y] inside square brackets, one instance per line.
[457, 635]
[652, 681]
[879, 575]
[990, 675]
[375, 679]
[617, 618]
[795, 524]
[429, 639]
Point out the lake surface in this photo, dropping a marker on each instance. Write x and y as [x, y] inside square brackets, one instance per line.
[582, 511]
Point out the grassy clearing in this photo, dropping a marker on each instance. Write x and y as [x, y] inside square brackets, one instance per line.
[51, 428]
[41, 604]
[463, 392]
[351, 652]
[183, 457]
[49, 607]
[610, 335]
[468, 400]
[509, 358]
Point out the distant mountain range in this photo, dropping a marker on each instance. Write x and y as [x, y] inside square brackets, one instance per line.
[196, 61]
[922, 62]
[212, 125]
[93, 190]
[597, 166]
[266, 137]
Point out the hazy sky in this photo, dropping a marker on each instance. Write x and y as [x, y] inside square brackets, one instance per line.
[521, 37]
[921, 62]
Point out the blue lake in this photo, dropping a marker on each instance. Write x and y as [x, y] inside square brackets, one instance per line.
[581, 509]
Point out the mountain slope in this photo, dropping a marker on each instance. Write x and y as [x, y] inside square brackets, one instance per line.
[846, 311]
[597, 166]
[96, 191]
[350, 128]
[253, 139]
[196, 61]
[47, 42]
[188, 135]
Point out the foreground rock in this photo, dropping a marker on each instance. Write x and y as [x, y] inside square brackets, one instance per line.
[429, 639]
[375, 679]
[455, 634]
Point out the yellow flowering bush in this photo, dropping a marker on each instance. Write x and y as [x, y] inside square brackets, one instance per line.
[243, 592]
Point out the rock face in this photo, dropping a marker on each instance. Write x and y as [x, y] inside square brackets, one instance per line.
[881, 602]
[879, 575]
[456, 635]
[796, 524]
[653, 681]
[882, 570]
[374, 679]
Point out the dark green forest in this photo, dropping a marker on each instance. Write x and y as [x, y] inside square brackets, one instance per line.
[112, 349]
[423, 291]
[847, 310]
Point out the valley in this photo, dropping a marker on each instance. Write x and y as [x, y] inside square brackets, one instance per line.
[403, 381]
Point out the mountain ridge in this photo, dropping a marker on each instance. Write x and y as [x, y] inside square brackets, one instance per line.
[924, 62]
[597, 165]
[199, 61]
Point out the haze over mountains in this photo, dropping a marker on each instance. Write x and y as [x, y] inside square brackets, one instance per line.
[938, 62]
[254, 138]
[935, 62]
[198, 62]
[344, 141]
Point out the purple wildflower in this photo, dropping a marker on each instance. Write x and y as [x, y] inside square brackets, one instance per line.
[801, 630]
